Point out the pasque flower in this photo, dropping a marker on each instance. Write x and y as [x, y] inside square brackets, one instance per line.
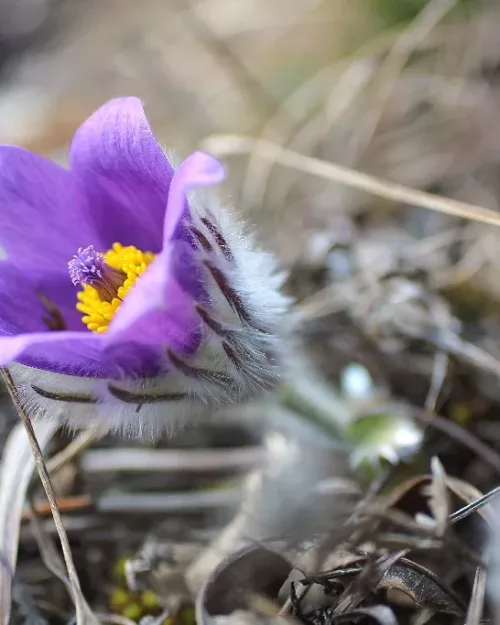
[128, 298]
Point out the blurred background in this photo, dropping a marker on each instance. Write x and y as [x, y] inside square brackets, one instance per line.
[396, 345]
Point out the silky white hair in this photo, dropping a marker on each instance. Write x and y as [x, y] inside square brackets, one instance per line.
[246, 327]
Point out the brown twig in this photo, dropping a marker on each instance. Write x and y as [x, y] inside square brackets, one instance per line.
[459, 434]
[65, 504]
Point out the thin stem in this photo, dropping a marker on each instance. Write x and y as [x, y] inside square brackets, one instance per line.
[83, 611]
[73, 449]
[459, 434]
[232, 145]
[474, 506]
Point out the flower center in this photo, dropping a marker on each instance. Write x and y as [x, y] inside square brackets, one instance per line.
[106, 278]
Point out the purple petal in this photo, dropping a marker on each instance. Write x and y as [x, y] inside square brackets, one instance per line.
[25, 337]
[198, 170]
[159, 310]
[42, 217]
[73, 353]
[124, 173]
[28, 298]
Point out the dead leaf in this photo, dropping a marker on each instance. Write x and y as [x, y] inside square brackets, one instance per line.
[424, 588]
[16, 470]
[369, 576]
[253, 571]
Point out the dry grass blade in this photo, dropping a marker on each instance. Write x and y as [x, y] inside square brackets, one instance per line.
[467, 352]
[425, 22]
[461, 435]
[231, 145]
[371, 574]
[16, 470]
[168, 503]
[474, 506]
[79, 444]
[472, 495]
[438, 496]
[250, 86]
[438, 377]
[476, 605]
[171, 460]
[84, 615]
[349, 82]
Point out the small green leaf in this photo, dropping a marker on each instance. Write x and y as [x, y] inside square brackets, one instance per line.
[395, 12]
[383, 438]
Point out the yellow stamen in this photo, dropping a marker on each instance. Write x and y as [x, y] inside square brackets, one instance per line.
[97, 314]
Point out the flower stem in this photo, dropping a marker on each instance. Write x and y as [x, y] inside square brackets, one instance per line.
[84, 614]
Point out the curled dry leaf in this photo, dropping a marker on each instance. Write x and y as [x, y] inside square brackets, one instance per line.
[253, 571]
[16, 470]
[422, 587]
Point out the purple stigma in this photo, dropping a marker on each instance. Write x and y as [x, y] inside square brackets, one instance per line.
[89, 266]
[86, 267]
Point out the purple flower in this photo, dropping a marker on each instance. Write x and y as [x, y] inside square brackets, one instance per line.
[122, 291]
